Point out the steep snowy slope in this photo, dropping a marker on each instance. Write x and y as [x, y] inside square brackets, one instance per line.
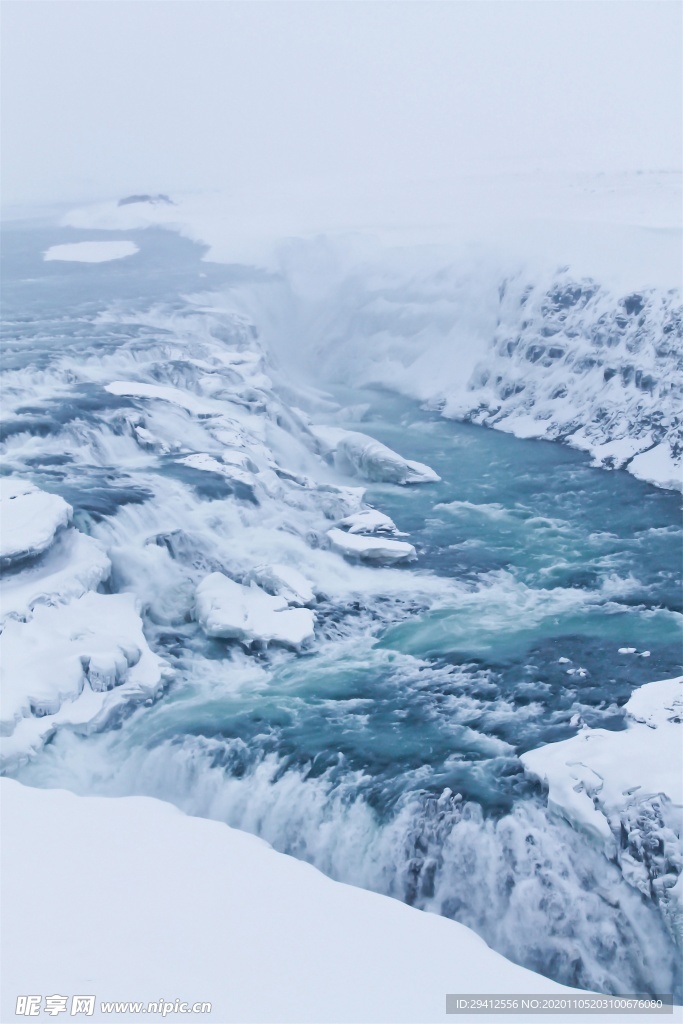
[193, 909]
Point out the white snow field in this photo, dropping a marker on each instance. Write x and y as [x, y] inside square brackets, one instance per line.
[146, 903]
[91, 252]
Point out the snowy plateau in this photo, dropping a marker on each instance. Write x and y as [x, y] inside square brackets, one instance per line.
[258, 563]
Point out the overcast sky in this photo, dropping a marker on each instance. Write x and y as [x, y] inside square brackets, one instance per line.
[104, 97]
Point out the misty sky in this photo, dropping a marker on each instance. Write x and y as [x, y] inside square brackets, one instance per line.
[104, 97]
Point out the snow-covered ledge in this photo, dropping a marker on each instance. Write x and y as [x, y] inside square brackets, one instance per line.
[625, 790]
[129, 899]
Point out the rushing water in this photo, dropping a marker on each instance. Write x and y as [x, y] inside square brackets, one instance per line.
[388, 754]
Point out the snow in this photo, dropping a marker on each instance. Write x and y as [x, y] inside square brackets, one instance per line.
[262, 936]
[360, 455]
[227, 467]
[607, 765]
[659, 466]
[29, 519]
[557, 218]
[59, 667]
[369, 520]
[371, 549]
[91, 252]
[628, 783]
[231, 611]
[74, 564]
[163, 393]
[284, 581]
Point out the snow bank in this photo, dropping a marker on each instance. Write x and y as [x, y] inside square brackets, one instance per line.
[29, 519]
[625, 789]
[147, 904]
[91, 252]
[660, 466]
[58, 668]
[371, 549]
[230, 611]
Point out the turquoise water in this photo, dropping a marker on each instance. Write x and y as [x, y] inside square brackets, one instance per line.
[388, 754]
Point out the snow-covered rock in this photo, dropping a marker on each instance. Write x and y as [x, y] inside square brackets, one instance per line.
[625, 789]
[178, 898]
[29, 519]
[163, 393]
[371, 549]
[73, 565]
[231, 611]
[59, 668]
[360, 455]
[230, 469]
[370, 521]
[284, 581]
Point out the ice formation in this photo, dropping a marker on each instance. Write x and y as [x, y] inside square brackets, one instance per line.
[29, 517]
[74, 564]
[231, 611]
[371, 549]
[285, 581]
[625, 789]
[357, 454]
[71, 665]
[369, 521]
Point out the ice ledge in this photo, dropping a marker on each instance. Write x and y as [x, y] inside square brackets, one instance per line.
[29, 519]
[262, 936]
[71, 665]
[625, 789]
